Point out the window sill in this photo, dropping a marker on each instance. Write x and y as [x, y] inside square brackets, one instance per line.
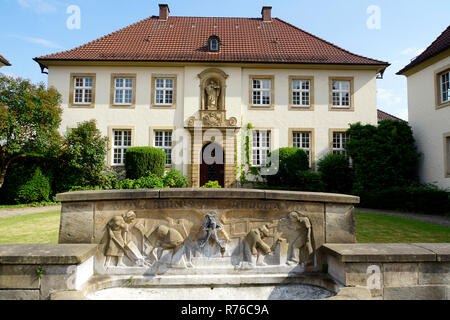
[87, 106]
[301, 108]
[337, 108]
[122, 106]
[253, 107]
[163, 106]
[443, 105]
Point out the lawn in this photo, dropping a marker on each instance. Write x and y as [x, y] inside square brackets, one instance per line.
[374, 228]
[370, 228]
[34, 228]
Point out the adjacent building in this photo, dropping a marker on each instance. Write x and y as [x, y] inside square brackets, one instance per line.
[382, 115]
[198, 85]
[428, 78]
[3, 61]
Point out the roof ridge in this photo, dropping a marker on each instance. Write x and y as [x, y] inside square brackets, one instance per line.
[330, 43]
[412, 63]
[98, 39]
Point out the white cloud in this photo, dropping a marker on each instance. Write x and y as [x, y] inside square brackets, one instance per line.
[39, 41]
[39, 6]
[413, 52]
[392, 102]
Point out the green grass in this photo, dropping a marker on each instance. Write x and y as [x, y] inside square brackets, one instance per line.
[29, 205]
[34, 228]
[374, 228]
[370, 228]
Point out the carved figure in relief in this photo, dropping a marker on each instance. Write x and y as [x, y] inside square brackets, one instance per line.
[255, 241]
[119, 244]
[299, 237]
[212, 95]
[210, 228]
[164, 238]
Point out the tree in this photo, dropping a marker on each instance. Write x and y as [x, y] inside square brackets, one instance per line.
[383, 156]
[82, 158]
[30, 116]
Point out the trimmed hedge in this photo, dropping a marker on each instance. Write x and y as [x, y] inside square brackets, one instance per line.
[337, 176]
[291, 160]
[430, 200]
[142, 161]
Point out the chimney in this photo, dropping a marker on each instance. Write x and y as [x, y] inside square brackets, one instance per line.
[163, 12]
[267, 14]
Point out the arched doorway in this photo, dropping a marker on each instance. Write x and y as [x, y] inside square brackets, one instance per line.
[212, 167]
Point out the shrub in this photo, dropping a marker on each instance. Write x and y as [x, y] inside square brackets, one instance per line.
[174, 179]
[82, 159]
[309, 181]
[426, 199]
[337, 176]
[383, 156]
[212, 185]
[151, 181]
[20, 174]
[291, 160]
[37, 189]
[142, 161]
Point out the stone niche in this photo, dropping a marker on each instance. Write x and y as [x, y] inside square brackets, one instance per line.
[192, 231]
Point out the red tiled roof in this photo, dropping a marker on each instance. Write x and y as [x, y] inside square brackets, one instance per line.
[439, 45]
[185, 39]
[4, 61]
[386, 116]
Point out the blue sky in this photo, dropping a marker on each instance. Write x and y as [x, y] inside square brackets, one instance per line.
[31, 28]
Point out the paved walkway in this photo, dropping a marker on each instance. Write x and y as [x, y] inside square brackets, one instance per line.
[13, 212]
[441, 220]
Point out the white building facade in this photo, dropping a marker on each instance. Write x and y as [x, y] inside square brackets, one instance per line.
[428, 79]
[218, 98]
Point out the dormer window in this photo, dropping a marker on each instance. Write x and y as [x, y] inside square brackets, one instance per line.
[214, 44]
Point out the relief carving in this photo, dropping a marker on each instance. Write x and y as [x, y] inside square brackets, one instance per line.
[297, 230]
[205, 241]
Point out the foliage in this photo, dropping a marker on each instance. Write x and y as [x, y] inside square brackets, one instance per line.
[212, 185]
[174, 179]
[140, 161]
[37, 189]
[82, 158]
[383, 156]
[291, 160]
[425, 199]
[308, 181]
[29, 119]
[337, 175]
[27, 175]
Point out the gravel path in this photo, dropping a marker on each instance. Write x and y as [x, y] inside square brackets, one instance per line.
[13, 212]
[441, 220]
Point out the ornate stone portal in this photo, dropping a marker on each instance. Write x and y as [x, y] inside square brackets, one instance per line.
[212, 115]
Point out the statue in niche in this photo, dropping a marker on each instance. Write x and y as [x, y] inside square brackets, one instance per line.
[210, 229]
[212, 95]
[119, 244]
[257, 246]
[164, 238]
[298, 229]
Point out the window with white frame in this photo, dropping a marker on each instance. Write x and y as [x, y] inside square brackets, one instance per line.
[262, 92]
[444, 81]
[341, 93]
[301, 93]
[163, 141]
[123, 91]
[261, 147]
[164, 91]
[303, 141]
[82, 87]
[121, 142]
[339, 141]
